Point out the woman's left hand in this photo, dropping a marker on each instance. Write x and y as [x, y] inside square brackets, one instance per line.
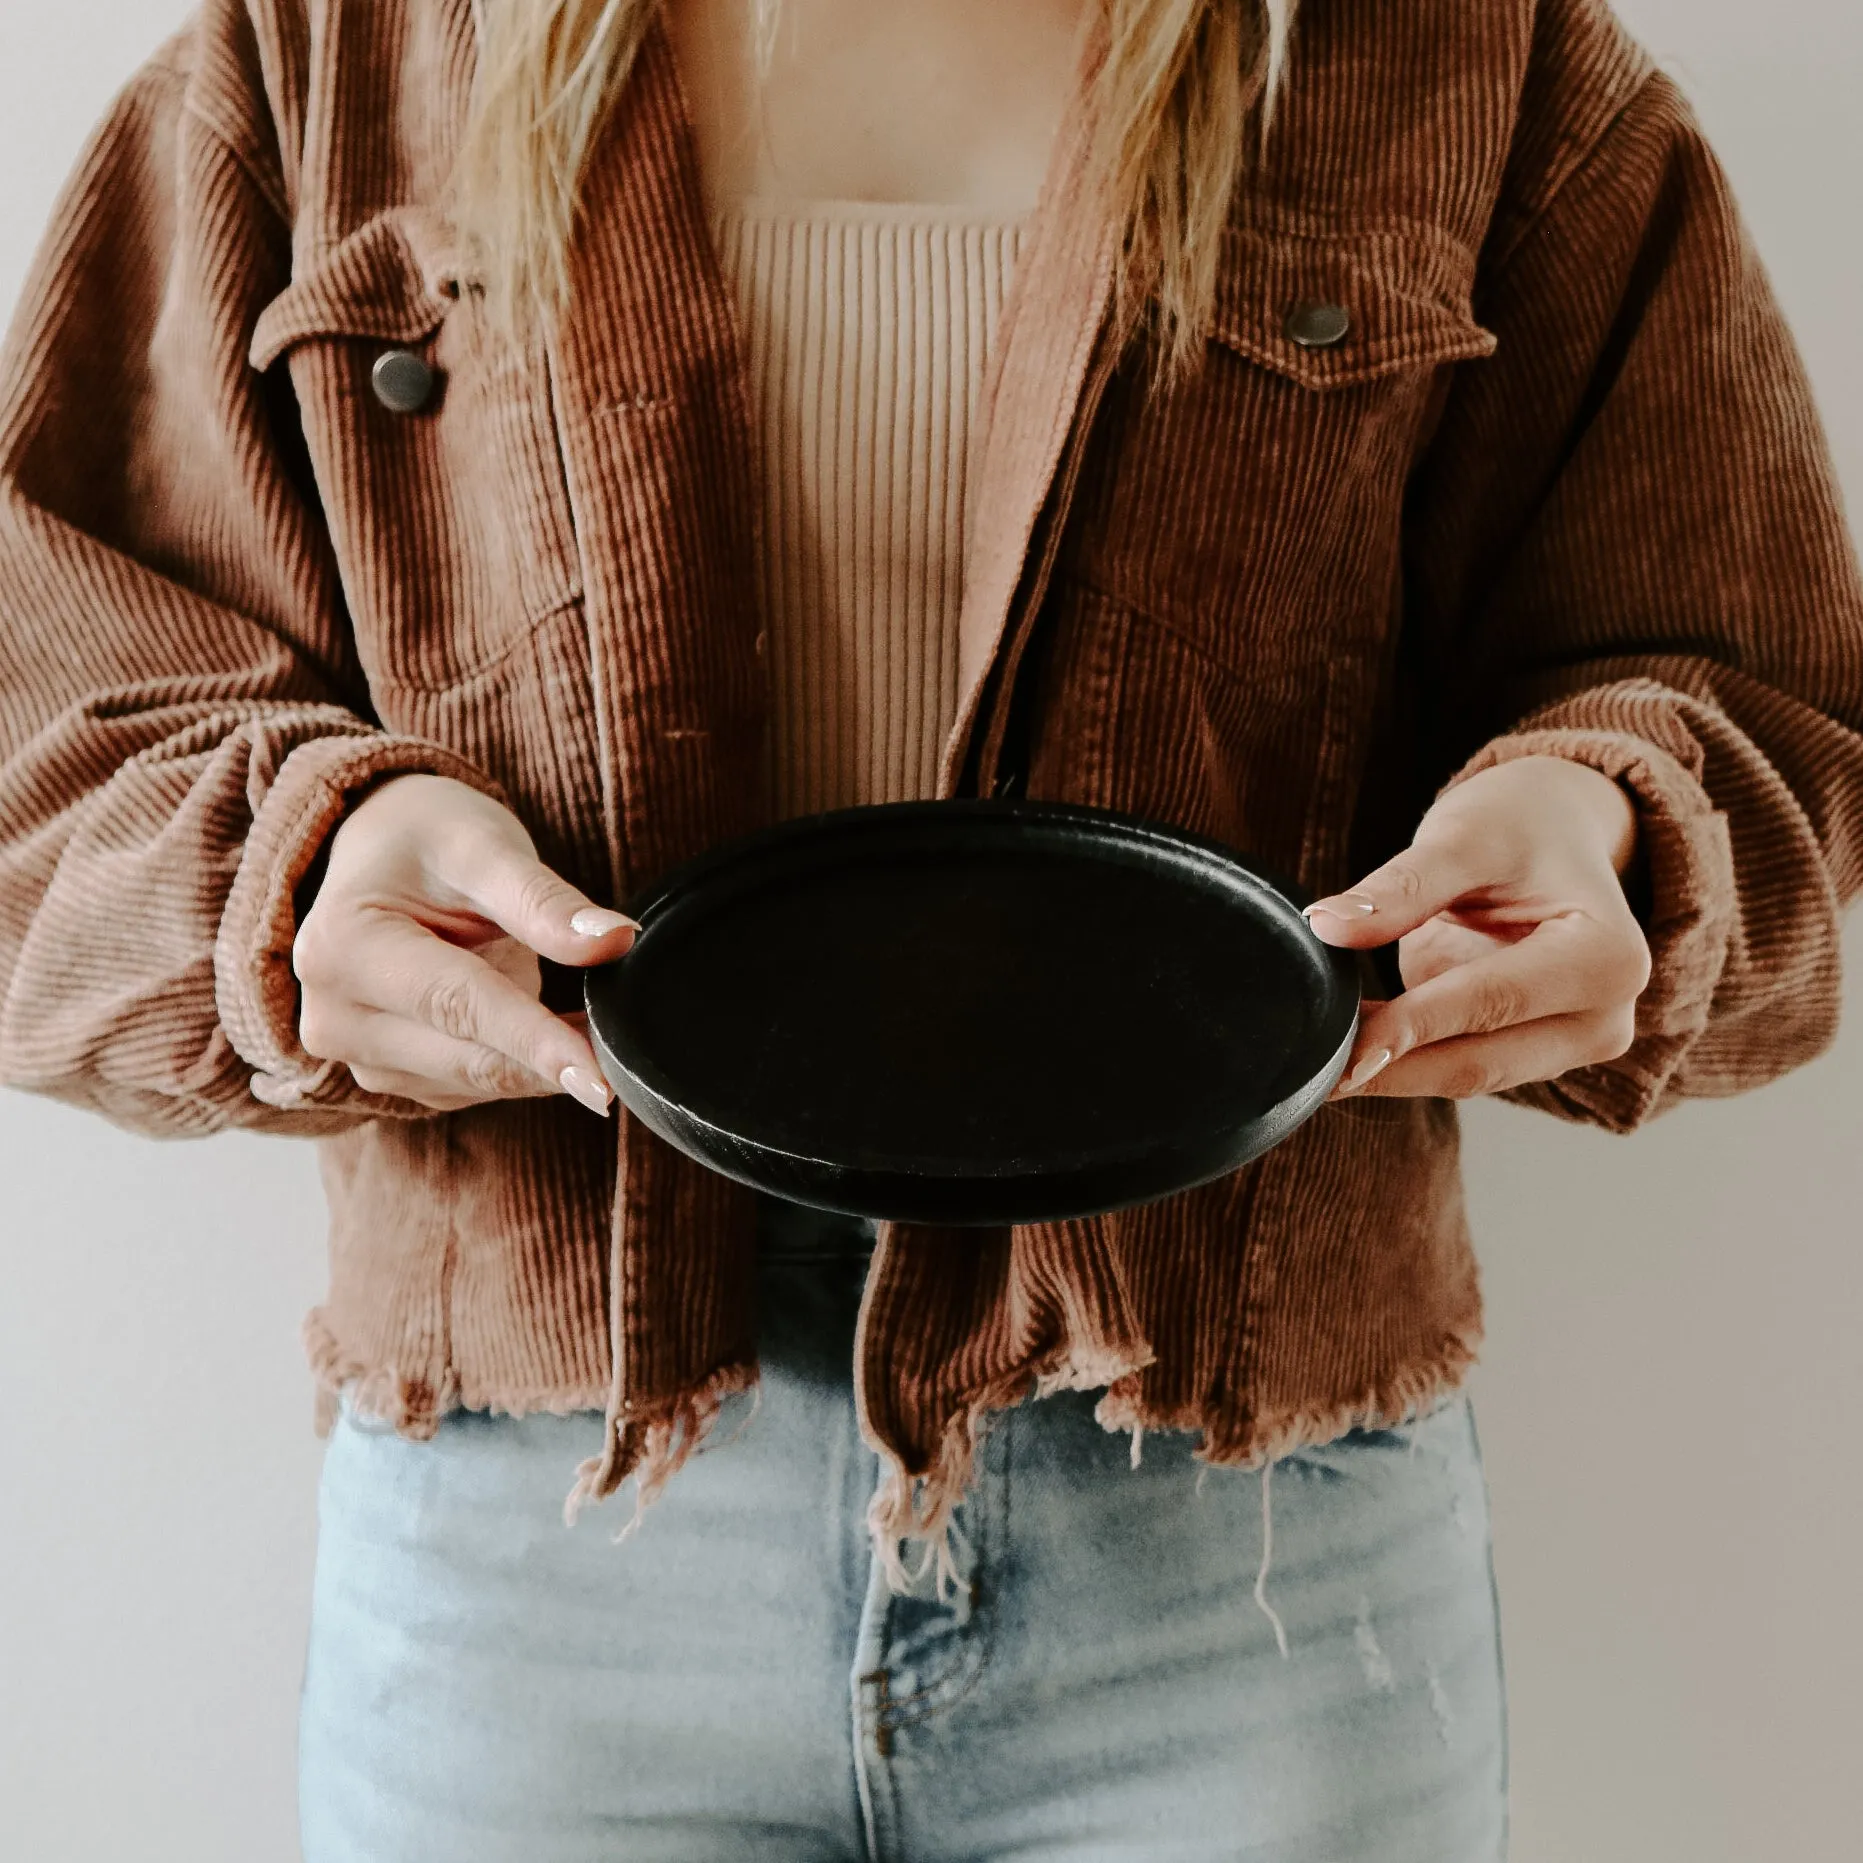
[1520, 955]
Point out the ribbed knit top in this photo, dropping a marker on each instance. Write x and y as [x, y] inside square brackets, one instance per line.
[868, 329]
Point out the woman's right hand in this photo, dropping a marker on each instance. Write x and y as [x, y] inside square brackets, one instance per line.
[417, 963]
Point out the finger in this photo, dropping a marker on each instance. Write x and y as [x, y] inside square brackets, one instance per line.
[1443, 944]
[447, 1074]
[1427, 878]
[1568, 965]
[432, 1094]
[364, 1041]
[509, 885]
[389, 1054]
[422, 979]
[1472, 1065]
[390, 1044]
[445, 1096]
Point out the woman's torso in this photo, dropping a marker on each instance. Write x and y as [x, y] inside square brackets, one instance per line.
[1181, 602]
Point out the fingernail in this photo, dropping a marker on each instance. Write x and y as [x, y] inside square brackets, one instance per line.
[1343, 906]
[599, 922]
[581, 1085]
[1367, 1070]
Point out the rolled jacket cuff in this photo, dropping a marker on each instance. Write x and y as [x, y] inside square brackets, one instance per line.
[256, 990]
[1687, 856]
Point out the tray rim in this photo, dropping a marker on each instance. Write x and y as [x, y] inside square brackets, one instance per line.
[677, 1121]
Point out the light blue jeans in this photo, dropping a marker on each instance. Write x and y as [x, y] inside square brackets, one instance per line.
[737, 1680]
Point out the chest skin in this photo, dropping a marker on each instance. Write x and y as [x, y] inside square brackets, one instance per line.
[941, 103]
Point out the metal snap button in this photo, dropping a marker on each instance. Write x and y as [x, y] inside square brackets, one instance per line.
[403, 382]
[1317, 326]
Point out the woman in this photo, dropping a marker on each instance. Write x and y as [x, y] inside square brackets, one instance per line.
[460, 460]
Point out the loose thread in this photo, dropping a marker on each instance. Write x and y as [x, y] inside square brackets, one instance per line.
[1267, 1559]
[711, 1446]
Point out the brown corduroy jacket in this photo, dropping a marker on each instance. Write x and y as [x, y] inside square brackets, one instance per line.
[1560, 488]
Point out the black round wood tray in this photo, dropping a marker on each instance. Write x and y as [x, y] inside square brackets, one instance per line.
[973, 1012]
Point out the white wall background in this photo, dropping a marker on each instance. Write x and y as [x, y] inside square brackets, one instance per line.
[1668, 1404]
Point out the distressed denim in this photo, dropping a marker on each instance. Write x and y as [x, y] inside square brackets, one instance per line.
[736, 1679]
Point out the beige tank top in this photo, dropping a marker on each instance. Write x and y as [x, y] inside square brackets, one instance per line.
[867, 330]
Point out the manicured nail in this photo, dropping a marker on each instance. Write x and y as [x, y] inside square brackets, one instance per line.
[599, 922]
[581, 1085]
[1367, 1070]
[1343, 906]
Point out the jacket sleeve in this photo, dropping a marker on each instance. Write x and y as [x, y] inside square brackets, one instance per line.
[181, 712]
[1628, 548]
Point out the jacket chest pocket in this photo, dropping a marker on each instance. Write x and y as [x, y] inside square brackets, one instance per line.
[434, 449]
[1232, 565]
[1258, 504]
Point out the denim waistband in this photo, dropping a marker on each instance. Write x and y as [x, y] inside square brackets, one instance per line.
[791, 1232]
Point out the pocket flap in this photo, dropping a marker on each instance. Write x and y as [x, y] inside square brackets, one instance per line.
[394, 279]
[1406, 298]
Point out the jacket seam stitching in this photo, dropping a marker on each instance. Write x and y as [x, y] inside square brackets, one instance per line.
[242, 159]
[534, 625]
[1576, 167]
[1151, 618]
[1344, 233]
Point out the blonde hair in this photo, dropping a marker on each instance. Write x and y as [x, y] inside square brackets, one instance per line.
[1174, 97]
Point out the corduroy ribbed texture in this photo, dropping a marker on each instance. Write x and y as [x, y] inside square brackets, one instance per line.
[1560, 490]
[866, 330]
